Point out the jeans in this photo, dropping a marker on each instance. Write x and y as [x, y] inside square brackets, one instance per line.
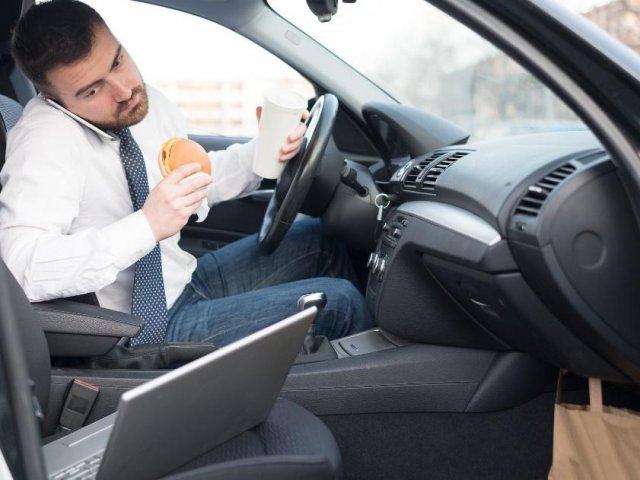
[236, 291]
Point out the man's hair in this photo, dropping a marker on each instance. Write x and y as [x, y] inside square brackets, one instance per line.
[51, 35]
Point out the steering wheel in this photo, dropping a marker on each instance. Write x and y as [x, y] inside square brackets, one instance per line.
[297, 177]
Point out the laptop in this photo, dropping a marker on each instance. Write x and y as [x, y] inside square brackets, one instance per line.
[168, 421]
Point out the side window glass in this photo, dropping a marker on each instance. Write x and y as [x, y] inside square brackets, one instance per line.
[446, 69]
[215, 76]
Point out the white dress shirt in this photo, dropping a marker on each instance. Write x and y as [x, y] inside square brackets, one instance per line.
[67, 225]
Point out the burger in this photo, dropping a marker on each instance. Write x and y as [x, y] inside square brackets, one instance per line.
[179, 151]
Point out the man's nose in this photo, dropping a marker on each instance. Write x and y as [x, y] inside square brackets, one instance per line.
[121, 91]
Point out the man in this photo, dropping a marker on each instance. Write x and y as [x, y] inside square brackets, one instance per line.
[84, 207]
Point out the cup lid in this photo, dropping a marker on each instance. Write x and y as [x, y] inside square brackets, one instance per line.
[285, 99]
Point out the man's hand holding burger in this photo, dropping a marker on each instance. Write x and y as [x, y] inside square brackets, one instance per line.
[171, 203]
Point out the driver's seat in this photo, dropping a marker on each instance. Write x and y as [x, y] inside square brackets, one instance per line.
[10, 111]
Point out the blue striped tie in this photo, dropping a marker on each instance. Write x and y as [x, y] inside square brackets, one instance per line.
[149, 301]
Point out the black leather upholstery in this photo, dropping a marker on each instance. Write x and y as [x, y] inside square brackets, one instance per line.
[31, 335]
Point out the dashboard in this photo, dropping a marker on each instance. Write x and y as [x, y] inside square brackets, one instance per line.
[524, 243]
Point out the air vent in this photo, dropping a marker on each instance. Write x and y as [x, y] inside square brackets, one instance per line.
[423, 178]
[429, 181]
[532, 202]
[411, 180]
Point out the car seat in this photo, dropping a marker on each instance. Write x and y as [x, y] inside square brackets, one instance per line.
[291, 444]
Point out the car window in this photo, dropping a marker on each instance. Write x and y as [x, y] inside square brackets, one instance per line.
[214, 75]
[423, 57]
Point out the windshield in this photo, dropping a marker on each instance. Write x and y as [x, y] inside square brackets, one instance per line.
[424, 58]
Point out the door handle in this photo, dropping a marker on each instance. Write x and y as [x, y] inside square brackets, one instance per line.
[262, 196]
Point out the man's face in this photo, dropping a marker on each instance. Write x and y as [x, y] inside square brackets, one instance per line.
[105, 88]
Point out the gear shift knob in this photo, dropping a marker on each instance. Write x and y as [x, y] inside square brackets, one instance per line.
[318, 300]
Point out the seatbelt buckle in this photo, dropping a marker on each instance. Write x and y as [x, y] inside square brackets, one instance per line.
[77, 406]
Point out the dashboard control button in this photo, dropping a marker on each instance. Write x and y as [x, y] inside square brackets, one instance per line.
[381, 268]
[372, 258]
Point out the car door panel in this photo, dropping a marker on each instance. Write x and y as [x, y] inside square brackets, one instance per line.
[227, 221]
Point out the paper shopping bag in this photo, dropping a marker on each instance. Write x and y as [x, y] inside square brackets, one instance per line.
[594, 442]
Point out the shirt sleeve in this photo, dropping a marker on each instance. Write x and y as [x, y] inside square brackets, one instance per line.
[231, 172]
[43, 180]
[231, 169]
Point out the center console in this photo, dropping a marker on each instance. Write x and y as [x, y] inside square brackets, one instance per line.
[427, 354]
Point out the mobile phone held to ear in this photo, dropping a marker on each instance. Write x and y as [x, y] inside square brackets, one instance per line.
[80, 120]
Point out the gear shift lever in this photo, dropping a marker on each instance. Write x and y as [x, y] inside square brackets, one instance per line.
[318, 300]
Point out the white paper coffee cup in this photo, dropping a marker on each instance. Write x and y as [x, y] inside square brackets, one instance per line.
[281, 113]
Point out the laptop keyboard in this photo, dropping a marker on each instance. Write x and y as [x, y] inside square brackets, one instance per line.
[84, 470]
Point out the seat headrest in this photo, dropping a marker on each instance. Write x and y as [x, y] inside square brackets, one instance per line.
[9, 14]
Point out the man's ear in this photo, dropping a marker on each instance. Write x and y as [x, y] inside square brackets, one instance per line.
[53, 98]
[47, 92]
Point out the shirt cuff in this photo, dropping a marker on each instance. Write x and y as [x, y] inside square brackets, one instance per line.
[130, 239]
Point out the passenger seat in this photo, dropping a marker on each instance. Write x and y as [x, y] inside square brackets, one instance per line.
[291, 444]
[10, 112]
